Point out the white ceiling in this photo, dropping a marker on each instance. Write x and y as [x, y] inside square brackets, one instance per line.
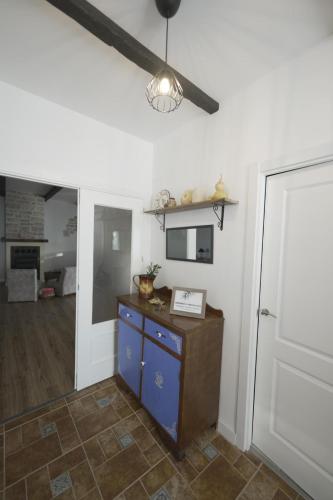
[221, 45]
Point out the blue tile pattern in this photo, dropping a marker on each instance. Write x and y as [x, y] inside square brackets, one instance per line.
[103, 403]
[126, 440]
[47, 429]
[161, 494]
[61, 484]
[210, 451]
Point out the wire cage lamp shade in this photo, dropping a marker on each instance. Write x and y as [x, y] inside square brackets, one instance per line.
[164, 92]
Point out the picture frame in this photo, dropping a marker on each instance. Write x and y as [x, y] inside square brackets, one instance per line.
[189, 302]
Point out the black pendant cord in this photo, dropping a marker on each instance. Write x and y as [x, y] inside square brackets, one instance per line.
[166, 41]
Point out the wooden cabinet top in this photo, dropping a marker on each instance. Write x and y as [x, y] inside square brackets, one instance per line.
[180, 324]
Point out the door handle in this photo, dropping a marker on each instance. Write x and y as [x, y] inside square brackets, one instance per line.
[266, 312]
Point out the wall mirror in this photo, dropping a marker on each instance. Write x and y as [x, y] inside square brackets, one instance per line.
[192, 244]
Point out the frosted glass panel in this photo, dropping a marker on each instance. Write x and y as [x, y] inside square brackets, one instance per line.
[112, 260]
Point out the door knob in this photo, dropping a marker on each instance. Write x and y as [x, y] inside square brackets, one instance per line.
[266, 312]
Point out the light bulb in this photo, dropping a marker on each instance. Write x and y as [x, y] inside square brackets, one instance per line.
[164, 86]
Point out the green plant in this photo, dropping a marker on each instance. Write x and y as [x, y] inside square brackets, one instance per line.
[152, 270]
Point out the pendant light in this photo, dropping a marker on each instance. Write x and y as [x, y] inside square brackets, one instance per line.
[164, 92]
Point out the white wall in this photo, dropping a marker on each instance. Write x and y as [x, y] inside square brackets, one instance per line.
[284, 113]
[60, 251]
[40, 139]
[2, 243]
[44, 141]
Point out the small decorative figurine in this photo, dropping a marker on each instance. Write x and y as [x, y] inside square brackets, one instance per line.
[220, 192]
[172, 203]
[186, 199]
[161, 199]
[198, 195]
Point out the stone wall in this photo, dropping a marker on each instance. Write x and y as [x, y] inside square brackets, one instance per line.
[24, 216]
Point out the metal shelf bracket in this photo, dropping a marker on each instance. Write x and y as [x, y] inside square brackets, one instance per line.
[161, 220]
[220, 218]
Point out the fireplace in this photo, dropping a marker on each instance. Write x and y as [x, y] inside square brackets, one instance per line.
[25, 257]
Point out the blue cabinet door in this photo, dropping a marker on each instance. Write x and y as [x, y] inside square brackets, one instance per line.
[129, 355]
[160, 386]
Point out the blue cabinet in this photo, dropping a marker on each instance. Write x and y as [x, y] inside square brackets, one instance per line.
[160, 386]
[172, 365]
[129, 356]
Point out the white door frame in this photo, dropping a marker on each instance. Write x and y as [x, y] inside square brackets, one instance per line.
[252, 272]
[89, 199]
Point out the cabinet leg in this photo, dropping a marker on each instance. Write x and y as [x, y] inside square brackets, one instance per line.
[179, 455]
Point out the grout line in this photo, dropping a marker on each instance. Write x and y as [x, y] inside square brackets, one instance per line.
[45, 465]
[143, 486]
[87, 458]
[247, 483]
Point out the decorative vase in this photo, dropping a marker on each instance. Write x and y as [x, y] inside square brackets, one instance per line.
[186, 199]
[145, 285]
[220, 192]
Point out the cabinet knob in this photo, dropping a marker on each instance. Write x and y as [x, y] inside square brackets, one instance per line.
[143, 363]
[160, 335]
[128, 315]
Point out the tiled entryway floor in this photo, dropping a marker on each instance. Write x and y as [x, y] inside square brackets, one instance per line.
[99, 444]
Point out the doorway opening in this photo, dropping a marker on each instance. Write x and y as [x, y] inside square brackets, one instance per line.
[38, 259]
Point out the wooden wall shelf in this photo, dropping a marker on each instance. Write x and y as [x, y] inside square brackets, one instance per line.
[217, 205]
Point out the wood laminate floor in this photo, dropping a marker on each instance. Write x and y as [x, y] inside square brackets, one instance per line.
[37, 352]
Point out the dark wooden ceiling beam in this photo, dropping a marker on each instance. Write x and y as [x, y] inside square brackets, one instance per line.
[2, 185]
[52, 192]
[109, 32]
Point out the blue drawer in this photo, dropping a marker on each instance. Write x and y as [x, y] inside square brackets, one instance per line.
[130, 315]
[163, 335]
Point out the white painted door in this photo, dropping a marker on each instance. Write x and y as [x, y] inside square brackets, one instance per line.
[110, 229]
[293, 411]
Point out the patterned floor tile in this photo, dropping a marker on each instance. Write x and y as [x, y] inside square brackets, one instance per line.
[161, 494]
[118, 453]
[245, 467]
[17, 491]
[136, 492]
[102, 403]
[47, 429]
[229, 451]
[158, 476]
[66, 462]
[117, 473]
[96, 422]
[32, 457]
[61, 484]
[126, 440]
[218, 481]
[210, 451]
[38, 485]
[82, 479]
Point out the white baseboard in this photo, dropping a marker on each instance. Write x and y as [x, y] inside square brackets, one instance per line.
[226, 431]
